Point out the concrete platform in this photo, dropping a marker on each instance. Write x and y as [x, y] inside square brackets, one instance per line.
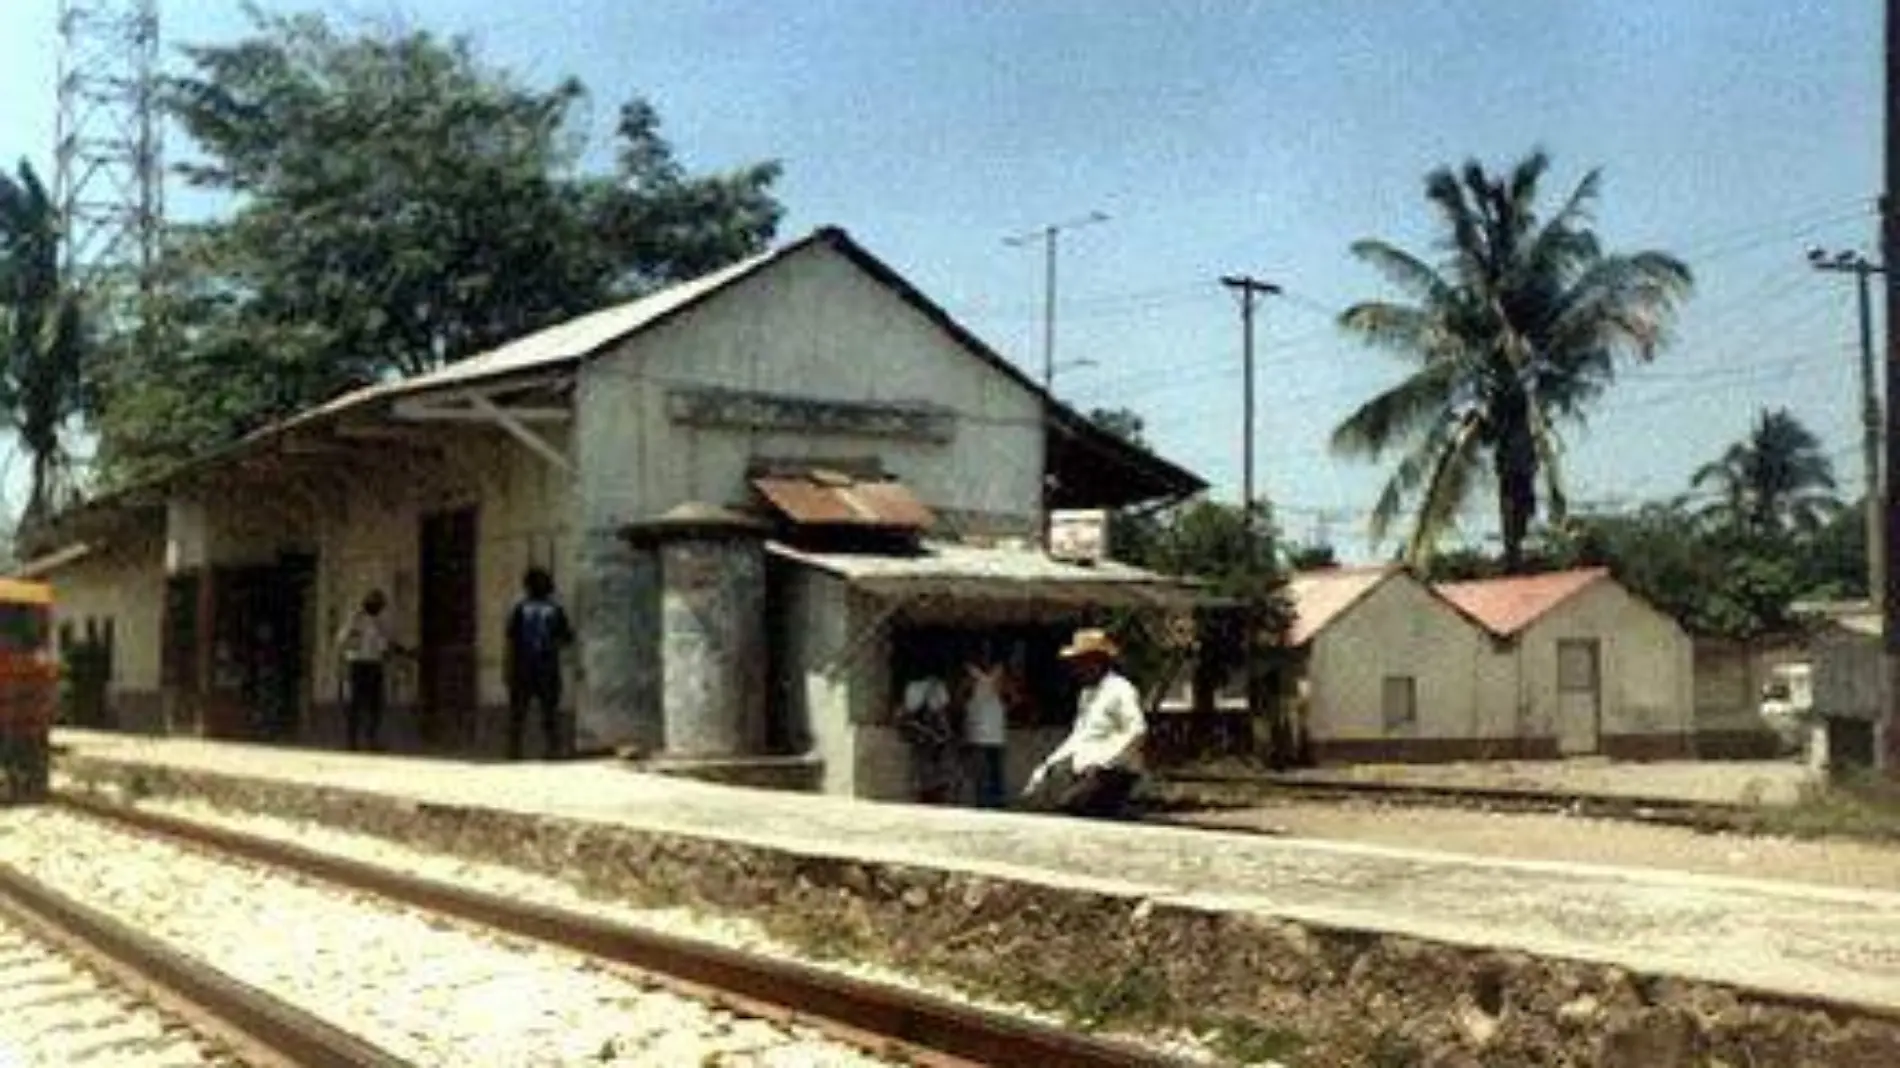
[1769, 941]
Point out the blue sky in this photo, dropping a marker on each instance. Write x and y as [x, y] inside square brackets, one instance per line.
[1239, 137]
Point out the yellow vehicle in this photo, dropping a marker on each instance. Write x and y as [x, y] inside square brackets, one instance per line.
[29, 686]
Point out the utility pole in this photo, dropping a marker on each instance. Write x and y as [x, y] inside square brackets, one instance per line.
[1889, 253]
[1047, 235]
[1251, 289]
[1863, 271]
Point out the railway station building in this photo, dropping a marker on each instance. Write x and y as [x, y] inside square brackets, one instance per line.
[762, 493]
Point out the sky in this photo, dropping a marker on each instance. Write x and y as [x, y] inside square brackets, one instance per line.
[1257, 138]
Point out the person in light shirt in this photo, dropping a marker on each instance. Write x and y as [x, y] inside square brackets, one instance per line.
[1103, 749]
[986, 728]
[365, 644]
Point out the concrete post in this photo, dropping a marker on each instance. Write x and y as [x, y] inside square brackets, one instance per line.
[712, 642]
[616, 609]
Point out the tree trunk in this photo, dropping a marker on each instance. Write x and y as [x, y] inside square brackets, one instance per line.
[1516, 465]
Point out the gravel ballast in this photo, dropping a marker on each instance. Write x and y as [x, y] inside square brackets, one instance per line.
[427, 989]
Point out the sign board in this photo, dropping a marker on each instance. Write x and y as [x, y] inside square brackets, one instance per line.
[1079, 536]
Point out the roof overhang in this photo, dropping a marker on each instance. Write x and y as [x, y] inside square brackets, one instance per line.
[38, 568]
[968, 573]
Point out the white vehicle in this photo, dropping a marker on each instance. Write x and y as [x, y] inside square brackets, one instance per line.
[1787, 704]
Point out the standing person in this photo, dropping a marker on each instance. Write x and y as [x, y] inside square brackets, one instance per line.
[1103, 749]
[986, 728]
[538, 632]
[366, 645]
[923, 721]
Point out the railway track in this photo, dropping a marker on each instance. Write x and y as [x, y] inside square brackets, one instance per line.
[1186, 794]
[904, 1025]
[78, 988]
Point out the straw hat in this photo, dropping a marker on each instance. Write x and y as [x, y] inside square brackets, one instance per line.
[1090, 642]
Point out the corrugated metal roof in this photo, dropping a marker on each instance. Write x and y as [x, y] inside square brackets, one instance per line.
[1507, 605]
[552, 348]
[556, 348]
[954, 561]
[1319, 597]
[827, 499]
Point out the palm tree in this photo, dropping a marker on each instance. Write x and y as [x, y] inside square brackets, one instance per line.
[1775, 481]
[41, 346]
[1518, 328]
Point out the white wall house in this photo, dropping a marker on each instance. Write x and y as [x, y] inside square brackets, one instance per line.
[1591, 668]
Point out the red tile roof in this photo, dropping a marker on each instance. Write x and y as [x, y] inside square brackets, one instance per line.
[1507, 605]
[1319, 597]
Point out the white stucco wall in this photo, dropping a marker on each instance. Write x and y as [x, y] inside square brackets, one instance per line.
[1399, 628]
[123, 582]
[812, 326]
[1647, 662]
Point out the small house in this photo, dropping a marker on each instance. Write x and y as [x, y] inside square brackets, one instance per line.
[1581, 666]
[1385, 669]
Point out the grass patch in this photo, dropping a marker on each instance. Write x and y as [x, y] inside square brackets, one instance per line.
[1864, 806]
[1245, 1041]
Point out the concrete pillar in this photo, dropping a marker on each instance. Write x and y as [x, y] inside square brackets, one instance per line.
[712, 642]
[616, 610]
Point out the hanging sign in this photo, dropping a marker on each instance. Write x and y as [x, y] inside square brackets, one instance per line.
[1079, 536]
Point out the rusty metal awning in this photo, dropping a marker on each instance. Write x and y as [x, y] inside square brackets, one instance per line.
[831, 499]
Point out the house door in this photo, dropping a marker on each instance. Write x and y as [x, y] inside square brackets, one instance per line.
[447, 671]
[1579, 696]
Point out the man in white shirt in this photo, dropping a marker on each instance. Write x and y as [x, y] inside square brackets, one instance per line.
[365, 645]
[1103, 749]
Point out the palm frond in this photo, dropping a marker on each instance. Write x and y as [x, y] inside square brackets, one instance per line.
[1414, 405]
[1404, 270]
[1410, 472]
[1549, 446]
[1445, 491]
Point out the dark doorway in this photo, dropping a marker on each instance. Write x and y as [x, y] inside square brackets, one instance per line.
[447, 672]
[257, 657]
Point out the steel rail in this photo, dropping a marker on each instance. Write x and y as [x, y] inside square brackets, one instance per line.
[260, 1028]
[1629, 808]
[927, 1029]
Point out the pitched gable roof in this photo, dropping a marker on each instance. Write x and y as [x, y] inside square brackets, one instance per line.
[1136, 474]
[1506, 606]
[1320, 597]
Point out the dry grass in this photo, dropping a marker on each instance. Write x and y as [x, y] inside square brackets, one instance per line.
[1864, 806]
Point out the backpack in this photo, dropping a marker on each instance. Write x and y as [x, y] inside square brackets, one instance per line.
[540, 630]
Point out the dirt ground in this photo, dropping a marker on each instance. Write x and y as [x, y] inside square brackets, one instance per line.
[1535, 836]
[1709, 782]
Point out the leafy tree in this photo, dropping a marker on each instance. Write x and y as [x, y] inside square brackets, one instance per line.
[397, 204]
[1124, 423]
[41, 340]
[1776, 481]
[1714, 582]
[1317, 557]
[1518, 329]
[1836, 556]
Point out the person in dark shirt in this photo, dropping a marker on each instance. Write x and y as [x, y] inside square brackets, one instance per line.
[538, 632]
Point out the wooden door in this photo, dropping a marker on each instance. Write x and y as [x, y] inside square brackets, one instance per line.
[449, 629]
[1579, 696]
